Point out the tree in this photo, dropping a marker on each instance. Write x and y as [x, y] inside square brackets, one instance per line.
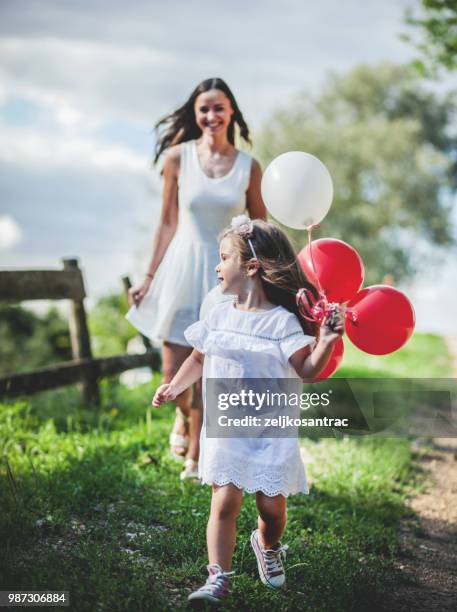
[438, 30]
[109, 329]
[30, 341]
[386, 142]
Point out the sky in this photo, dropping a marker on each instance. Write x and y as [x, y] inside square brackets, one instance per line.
[83, 82]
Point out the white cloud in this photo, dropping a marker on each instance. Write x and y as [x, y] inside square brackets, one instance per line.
[65, 58]
[102, 218]
[28, 147]
[10, 232]
[81, 82]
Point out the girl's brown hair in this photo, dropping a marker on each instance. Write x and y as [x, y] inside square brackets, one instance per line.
[180, 126]
[279, 272]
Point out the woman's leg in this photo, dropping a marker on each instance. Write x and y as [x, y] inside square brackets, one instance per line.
[221, 530]
[272, 518]
[196, 418]
[173, 355]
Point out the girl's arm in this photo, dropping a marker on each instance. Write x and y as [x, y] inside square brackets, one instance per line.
[254, 202]
[190, 371]
[309, 364]
[167, 224]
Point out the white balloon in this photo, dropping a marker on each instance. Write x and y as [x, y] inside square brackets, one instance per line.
[297, 189]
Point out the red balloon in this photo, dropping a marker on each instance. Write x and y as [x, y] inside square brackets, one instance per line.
[380, 320]
[335, 360]
[339, 268]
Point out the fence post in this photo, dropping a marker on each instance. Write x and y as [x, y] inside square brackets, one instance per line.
[80, 339]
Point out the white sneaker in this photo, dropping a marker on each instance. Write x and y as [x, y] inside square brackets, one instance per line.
[270, 562]
[215, 587]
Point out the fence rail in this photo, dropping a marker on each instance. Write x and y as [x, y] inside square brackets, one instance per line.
[19, 285]
[71, 372]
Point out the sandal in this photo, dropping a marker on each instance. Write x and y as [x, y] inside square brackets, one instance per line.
[190, 470]
[178, 440]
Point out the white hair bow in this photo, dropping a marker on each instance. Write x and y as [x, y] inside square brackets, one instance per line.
[243, 226]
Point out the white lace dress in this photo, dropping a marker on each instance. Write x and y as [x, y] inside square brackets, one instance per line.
[240, 344]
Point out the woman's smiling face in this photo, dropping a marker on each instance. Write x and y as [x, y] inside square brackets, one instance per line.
[213, 111]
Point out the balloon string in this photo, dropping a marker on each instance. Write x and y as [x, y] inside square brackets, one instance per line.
[310, 307]
[351, 315]
[316, 309]
[319, 286]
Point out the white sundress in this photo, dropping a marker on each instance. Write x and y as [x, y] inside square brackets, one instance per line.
[243, 344]
[187, 271]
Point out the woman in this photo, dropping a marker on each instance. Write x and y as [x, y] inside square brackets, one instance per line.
[207, 181]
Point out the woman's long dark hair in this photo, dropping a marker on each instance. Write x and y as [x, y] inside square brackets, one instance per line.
[181, 126]
[279, 271]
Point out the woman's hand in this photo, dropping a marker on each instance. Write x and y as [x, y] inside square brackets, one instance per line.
[137, 293]
[164, 393]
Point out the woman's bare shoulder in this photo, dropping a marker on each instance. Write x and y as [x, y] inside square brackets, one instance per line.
[174, 152]
[172, 159]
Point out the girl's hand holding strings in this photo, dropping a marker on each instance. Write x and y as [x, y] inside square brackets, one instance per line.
[164, 393]
[332, 327]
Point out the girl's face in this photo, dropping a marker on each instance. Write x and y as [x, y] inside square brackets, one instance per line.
[213, 112]
[230, 270]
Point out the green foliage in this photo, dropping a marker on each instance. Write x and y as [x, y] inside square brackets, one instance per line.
[423, 356]
[30, 341]
[437, 28]
[386, 142]
[93, 504]
[110, 331]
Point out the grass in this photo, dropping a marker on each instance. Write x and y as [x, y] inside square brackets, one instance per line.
[424, 356]
[92, 503]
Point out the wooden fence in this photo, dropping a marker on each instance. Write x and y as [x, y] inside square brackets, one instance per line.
[68, 283]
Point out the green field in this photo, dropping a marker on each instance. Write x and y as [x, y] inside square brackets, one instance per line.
[92, 504]
[424, 356]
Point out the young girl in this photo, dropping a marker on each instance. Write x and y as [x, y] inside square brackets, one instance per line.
[258, 334]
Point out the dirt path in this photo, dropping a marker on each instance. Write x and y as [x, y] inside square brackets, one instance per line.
[427, 561]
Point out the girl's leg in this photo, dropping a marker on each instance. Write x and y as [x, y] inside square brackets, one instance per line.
[272, 518]
[173, 355]
[221, 530]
